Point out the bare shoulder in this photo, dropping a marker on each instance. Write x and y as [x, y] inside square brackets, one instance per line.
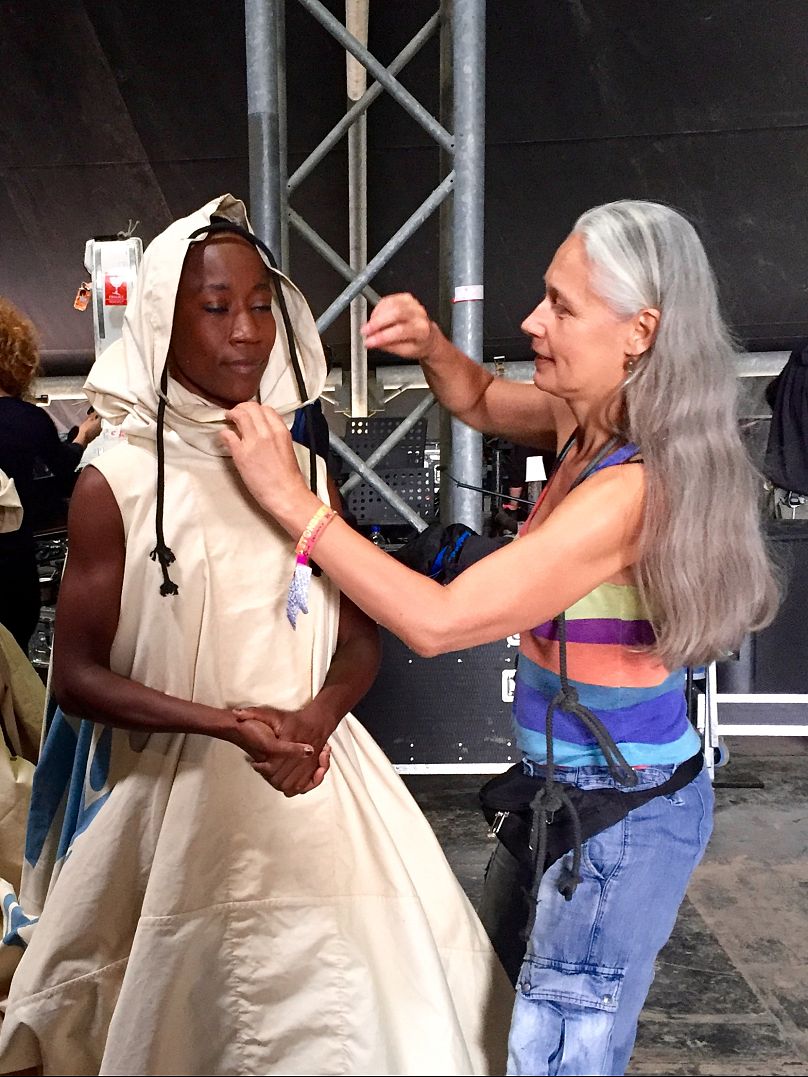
[94, 523]
[606, 509]
[614, 496]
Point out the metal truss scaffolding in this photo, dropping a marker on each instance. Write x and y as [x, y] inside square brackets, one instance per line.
[461, 24]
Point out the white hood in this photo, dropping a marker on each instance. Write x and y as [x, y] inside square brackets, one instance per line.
[10, 505]
[124, 383]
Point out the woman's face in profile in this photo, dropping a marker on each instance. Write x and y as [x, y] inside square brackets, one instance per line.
[223, 329]
[581, 345]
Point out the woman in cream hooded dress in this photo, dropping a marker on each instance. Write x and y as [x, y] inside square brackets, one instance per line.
[178, 914]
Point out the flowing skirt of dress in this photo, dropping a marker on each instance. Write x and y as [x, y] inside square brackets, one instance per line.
[198, 922]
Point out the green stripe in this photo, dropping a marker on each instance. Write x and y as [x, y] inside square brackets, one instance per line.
[618, 600]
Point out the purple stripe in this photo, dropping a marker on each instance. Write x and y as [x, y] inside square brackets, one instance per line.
[655, 721]
[600, 630]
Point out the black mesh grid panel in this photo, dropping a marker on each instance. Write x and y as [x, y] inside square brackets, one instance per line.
[365, 435]
[413, 485]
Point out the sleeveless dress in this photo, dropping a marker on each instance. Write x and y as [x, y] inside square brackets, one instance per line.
[178, 915]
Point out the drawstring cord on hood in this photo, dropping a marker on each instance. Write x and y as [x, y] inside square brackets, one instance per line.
[161, 551]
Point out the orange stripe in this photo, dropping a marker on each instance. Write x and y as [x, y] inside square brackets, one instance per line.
[609, 664]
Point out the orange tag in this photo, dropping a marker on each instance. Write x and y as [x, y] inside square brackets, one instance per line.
[114, 291]
[82, 300]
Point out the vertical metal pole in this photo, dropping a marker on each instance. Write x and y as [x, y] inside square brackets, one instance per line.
[356, 19]
[467, 323]
[446, 162]
[263, 129]
[283, 141]
[358, 242]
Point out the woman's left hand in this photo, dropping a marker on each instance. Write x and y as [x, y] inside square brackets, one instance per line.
[292, 775]
[262, 450]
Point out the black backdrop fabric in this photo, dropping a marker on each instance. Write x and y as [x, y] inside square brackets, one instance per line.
[115, 110]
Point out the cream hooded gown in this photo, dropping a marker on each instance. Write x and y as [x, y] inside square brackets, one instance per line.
[179, 916]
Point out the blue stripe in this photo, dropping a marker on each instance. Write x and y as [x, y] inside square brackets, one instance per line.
[595, 696]
[655, 721]
[636, 753]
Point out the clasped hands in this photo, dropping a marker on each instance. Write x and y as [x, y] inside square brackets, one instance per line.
[287, 748]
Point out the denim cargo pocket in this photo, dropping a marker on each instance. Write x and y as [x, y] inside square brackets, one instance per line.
[595, 987]
[564, 1018]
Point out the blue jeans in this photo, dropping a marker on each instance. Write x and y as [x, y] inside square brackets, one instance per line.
[590, 961]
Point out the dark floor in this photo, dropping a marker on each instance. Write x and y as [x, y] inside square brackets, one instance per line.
[731, 991]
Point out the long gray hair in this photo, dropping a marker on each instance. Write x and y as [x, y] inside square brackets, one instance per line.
[703, 569]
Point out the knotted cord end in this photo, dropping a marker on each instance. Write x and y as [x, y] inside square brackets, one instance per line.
[568, 881]
[165, 556]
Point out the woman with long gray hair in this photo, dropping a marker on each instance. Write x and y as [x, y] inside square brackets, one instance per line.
[615, 584]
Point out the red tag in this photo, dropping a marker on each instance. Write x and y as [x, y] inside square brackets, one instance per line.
[114, 291]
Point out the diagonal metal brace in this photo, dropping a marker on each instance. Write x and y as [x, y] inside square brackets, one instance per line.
[380, 73]
[372, 479]
[407, 229]
[327, 252]
[362, 105]
[391, 441]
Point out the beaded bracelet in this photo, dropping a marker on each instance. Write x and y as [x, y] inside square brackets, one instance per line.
[297, 600]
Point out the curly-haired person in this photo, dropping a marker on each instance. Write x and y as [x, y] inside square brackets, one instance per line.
[29, 446]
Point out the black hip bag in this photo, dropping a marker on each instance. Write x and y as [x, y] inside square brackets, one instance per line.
[507, 802]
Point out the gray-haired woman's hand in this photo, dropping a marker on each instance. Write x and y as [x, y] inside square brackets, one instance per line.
[400, 325]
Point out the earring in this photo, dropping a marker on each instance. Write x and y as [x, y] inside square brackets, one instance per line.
[630, 367]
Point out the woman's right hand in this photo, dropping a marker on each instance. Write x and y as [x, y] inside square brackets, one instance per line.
[400, 325]
[272, 755]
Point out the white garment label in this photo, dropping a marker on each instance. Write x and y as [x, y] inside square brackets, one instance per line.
[468, 293]
[534, 469]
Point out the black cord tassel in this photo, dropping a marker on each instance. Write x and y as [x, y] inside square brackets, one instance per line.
[161, 552]
[552, 797]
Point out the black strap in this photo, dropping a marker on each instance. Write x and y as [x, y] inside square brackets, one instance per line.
[551, 797]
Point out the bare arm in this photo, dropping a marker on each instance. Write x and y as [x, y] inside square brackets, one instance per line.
[86, 622]
[522, 413]
[351, 673]
[589, 537]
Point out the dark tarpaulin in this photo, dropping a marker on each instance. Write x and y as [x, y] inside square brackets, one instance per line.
[119, 109]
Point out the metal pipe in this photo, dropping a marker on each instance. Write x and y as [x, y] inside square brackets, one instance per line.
[445, 219]
[388, 250]
[328, 253]
[468, 35]
[393, 439]
[356, 17]
[747, 365]
[261, 32]
[362, 105]
[379, 72]
[283, 140]
[372, 479]
[356, 23]
[358, 246]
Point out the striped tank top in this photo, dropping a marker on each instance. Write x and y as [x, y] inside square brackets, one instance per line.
[640, 702]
